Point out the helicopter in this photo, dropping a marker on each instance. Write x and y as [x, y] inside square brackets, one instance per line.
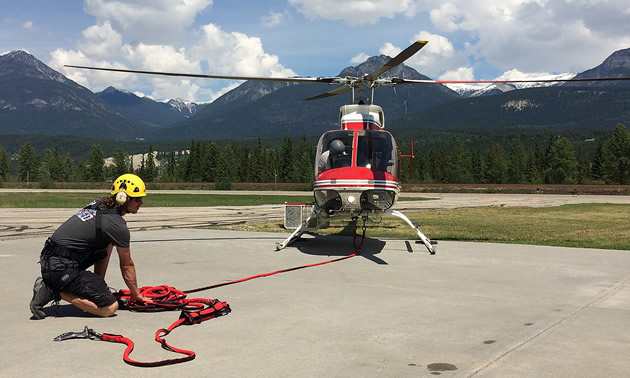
[357, 166]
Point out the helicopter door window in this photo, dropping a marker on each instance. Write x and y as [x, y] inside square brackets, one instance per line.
[334, 150]
[375, 150]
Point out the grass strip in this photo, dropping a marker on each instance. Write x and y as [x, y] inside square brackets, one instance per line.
[605, 226]
[79, 199]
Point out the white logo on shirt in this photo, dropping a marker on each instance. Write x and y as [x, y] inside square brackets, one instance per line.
[86, 214]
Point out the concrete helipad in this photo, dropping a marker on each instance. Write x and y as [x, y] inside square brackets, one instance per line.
[473, 309]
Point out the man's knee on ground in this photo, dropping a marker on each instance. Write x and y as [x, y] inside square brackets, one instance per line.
[109, 310]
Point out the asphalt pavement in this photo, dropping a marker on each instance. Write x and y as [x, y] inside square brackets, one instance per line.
[473, 309]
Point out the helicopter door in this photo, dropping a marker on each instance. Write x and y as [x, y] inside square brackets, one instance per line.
[334, 150]
[376, 150]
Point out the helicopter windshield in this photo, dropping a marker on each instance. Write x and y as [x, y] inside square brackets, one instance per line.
[375, 150]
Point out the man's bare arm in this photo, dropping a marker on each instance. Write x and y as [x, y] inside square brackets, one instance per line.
[128, 270]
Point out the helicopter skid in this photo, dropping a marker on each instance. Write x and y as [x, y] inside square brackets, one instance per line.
[431, 245]
[298, 232]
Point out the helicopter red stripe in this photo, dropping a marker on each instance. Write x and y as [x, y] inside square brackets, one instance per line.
[364, 184]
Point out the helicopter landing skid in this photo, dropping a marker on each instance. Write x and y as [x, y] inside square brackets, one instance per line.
[293, 237]
[430, 244]
[305, 226]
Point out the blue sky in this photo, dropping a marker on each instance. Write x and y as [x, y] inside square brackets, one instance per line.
[468, 39]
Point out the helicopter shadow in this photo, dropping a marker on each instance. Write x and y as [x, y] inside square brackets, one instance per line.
[339, 245]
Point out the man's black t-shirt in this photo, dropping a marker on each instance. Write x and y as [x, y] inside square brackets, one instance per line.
[79, 232]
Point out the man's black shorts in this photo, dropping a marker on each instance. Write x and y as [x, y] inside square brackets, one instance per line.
[91, 286]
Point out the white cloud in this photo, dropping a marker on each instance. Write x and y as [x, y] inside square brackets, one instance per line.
[571, 35]
[149, 21]
[460, 74]
[164, 58]
[273, 19]
[236, 54]
[100, 41]
[221, 52]
[446, 17]
[28, 25]
[390, 50]
[358, 59]
[438, 56]
[354, 12]
[94, 80]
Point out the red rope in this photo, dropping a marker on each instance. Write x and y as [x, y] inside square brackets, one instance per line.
[268, 274]
[194, 310]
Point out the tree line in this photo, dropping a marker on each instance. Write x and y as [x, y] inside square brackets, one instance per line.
[554, 162]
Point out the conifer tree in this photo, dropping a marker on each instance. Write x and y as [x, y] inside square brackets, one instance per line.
[68, 167]
[496, 164]
[287, 167]
[96, 163]
[597, 168]
[258, 163]
[208, 164]
[132, 167]
[120, 162]
[225, 169]
[562, 163]
[244, 166]
[437, 165]
[28, 163]
[517, 162]
[532, 174]
[617, 165]
[149, 169]
[459, 164]
[478, 168]
[5, 168]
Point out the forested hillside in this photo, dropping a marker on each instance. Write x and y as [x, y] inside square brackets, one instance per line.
[440, 157]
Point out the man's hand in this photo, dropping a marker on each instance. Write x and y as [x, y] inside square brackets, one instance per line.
[139, 299]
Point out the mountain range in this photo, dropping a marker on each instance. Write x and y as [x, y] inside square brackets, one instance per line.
[35, 99]
[154, 113]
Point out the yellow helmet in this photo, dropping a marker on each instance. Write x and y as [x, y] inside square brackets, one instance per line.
[130, 184]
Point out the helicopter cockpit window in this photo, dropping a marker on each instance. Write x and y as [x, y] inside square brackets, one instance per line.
[334, 150]
[376, 150]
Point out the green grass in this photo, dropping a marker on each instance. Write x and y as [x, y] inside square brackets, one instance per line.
[584, 225]
[72, 200]
[77, 200]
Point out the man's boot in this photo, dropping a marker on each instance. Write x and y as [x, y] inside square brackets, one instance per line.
[42, 295]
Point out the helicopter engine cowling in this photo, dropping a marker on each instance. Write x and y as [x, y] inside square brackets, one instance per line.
[353, 190]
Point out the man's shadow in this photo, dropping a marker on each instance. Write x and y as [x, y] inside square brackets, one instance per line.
[66, 310]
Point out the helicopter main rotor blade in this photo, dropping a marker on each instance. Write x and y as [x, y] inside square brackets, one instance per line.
[398, 59]
[334, 92]
[398, 81]
[202, 76]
